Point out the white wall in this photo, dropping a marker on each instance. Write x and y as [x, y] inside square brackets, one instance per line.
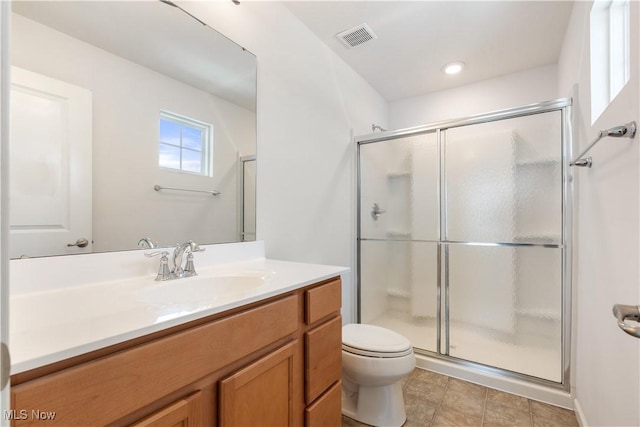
[309, 102]
[512, 90]
[606, 361]
[127, 99]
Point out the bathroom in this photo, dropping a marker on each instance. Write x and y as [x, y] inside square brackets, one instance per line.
[310, 104]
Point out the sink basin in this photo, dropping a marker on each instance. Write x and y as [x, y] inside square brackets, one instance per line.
[201, 290]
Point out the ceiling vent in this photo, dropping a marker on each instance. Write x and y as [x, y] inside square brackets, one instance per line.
[356, 36]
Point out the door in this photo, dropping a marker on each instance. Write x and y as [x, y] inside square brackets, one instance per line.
[50, 193]
[504, 244]
[398, 230]
[262, 393]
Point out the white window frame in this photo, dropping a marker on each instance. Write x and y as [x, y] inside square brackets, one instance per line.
[206, 143]
[610, 52]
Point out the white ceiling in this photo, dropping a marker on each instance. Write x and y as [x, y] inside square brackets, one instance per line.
[416, 38]
[166, 40]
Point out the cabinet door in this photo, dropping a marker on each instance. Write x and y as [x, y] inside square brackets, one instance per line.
[326, 410]
[186, 412]
[262, 394]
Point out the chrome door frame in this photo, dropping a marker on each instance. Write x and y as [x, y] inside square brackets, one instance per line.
[564, 106]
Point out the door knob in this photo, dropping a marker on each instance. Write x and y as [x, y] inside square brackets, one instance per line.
[81, 243]
[631, 312]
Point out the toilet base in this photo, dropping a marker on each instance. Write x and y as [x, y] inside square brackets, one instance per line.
[376, 406]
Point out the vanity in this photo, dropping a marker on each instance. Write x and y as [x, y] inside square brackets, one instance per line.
[260, 346]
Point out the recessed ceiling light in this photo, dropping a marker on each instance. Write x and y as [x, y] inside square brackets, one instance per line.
[453, 67]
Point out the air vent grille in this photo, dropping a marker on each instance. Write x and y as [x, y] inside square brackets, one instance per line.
[356, 36]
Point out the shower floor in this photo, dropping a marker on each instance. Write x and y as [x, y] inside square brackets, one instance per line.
[539, 360]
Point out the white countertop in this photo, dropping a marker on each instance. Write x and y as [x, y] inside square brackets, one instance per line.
[50, 326]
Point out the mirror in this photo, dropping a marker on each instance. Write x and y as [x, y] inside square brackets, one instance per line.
[129, 120]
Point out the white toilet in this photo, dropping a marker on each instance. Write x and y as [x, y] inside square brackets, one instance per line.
[374, 360]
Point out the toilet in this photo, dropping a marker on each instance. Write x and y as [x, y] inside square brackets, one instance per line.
[374, 360]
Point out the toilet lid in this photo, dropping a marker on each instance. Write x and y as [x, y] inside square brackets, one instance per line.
[370, 340]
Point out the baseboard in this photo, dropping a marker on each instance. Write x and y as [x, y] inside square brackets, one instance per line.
[579, 414]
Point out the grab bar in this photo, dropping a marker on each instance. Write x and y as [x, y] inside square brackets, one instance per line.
[628, 129]
[212, 192]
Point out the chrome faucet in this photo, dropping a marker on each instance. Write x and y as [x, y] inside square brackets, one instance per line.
[178, 253]
[147, 243]
[166, 273]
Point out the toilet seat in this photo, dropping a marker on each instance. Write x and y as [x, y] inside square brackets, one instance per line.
[374, 341]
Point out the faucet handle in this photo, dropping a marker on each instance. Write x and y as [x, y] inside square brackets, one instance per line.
[156, 253]
[164, 273]
[190, 269]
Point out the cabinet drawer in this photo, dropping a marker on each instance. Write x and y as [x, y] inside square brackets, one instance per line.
[323, 358]
[327, 410]
[104, 390]
[322, 301]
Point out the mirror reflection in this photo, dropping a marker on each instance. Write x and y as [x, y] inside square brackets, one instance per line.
[123, 130]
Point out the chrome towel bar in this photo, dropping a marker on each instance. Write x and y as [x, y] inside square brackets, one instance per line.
[212, 192]
[628, 130]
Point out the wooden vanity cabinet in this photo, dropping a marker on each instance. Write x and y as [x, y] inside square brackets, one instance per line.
[275, 362]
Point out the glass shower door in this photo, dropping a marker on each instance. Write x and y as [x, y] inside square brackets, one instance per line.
[398, 236]
[503, 244]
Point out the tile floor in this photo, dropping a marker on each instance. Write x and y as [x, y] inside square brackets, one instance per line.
[434, 400]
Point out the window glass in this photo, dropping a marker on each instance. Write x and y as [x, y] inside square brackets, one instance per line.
[185, 144]
[609, 47]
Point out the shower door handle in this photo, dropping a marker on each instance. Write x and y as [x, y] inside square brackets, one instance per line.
[631, 312]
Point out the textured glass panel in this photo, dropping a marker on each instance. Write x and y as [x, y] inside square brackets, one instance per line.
[400, 177]
[505, 307]
[503, 180]
[398, 288]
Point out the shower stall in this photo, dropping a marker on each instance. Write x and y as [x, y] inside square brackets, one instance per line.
[464, 233]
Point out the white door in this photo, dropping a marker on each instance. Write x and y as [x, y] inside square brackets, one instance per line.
[50, 174]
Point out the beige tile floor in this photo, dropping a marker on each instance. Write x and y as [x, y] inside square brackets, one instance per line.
[434, 400]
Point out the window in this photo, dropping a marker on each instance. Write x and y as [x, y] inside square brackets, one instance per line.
[185, 144]
[609, 52]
